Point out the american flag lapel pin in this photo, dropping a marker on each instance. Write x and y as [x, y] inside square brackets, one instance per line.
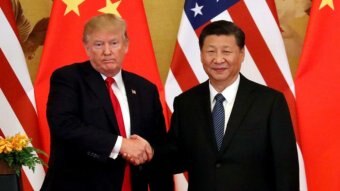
[133, 91]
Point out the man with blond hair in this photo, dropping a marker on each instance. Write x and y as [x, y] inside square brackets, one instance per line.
[103, 120]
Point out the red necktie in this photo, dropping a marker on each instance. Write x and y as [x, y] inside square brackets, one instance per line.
[119, 117]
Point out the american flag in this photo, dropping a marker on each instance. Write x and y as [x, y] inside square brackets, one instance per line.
[265, 61]
[17, 104]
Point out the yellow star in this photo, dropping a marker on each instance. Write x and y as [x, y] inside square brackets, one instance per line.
[327, 2]
[72, 5]
[111, 8]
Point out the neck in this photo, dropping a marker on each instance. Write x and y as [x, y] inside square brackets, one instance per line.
[219, 86]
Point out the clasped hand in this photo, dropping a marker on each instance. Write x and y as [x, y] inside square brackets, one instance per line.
[136, 150]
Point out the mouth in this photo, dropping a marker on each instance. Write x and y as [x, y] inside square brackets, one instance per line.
[220, 69]
[108, 61]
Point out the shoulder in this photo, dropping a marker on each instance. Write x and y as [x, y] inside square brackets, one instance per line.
[197, 90]
[257, 88]
[136, 80]
[194, 94]
[72, 69]
[259, 93]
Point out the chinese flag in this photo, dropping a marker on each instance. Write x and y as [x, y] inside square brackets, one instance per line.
[63, 44]
[317, 97]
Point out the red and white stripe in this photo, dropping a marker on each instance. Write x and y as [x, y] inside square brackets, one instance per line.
[265, 62]
[17, 105]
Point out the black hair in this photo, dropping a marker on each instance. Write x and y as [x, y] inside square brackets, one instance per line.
[223, 27]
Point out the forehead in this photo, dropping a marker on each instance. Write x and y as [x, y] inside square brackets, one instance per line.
[220, 40]
[99, 26]
[105, 34]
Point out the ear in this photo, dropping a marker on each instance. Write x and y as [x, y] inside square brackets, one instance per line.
[201, 54]
[126, 46]
[87, 48]
[243, 52]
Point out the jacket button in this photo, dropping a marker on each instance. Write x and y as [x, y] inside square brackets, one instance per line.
[218, 165]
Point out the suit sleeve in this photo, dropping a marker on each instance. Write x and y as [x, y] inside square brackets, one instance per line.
[283, 147]
[160, 177]
[171, 154]
[66, 118]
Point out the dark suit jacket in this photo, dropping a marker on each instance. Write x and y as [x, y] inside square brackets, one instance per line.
[84, 131]
[258, 152]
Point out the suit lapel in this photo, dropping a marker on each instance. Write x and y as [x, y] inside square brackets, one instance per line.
[132, 95]
[242, 102]
[204, 100]
[97, 85]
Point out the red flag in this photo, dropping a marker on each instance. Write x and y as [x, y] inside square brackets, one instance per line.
[64, 46]
[317, 97]
[17, 105]
[265, 60]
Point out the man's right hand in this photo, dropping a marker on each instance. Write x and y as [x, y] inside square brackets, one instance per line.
[136, 150]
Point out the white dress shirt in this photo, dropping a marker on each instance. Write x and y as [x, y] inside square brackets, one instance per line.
[119, 90]
[229, 94]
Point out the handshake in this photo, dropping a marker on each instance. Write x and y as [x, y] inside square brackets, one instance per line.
[136, 150]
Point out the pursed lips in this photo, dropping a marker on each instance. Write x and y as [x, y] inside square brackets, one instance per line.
[108, 60]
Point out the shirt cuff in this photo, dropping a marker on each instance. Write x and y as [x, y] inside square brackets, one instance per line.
[115, 151]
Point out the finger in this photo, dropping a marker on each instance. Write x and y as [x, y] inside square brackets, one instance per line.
[131, 160]
[134, 136]
[145, 157]
[136, 162]
[125, 155]
[139, 159]
[149, 152]
[139, 138]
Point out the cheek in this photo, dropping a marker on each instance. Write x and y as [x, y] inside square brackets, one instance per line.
[233, 60]
[205, 64]
[120, 54]
[96, 57]
[92, 54]
[208, 69]
[206, 60]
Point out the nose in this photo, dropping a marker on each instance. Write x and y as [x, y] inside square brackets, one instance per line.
[107, 49]
[219, 58]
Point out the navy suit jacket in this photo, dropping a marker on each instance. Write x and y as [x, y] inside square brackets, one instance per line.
[84, 131]
[258, 152]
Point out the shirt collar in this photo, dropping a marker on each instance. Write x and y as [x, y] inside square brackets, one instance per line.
[118, 79]
[229, 92]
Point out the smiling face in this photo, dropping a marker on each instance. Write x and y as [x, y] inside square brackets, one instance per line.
[221, 58]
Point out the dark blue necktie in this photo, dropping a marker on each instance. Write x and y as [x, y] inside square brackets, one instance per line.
[218, 119]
